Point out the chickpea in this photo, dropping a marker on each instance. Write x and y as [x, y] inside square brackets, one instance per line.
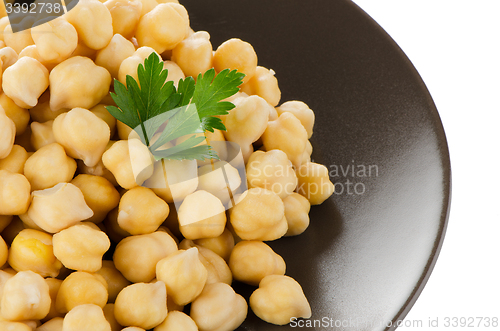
[184, 275]
[85, 51]
[126, 15]
[124, 130]
[136, 257]
[288, 134]
[42, 112]
[129, 161]
[115, 233]
[221, 245]
[29, 223]
[142, 305]
[177, 321]
[5, 275]
[130, 64]
[49, 166]
[4, 252]
[42, 134]
[109, 314]
[133, 328]
[32, 51]
[69, 87]
[4, 222]
[59, 207]
[55, 40]
[17, 40]
[147, 6]
[14, 326]
[162, 28]
[15, 161]
[86, 317]
[174, 72]
[212, 178]
[236, 54]
[111, 56]
[279, 299]
[81, 288]
[273, 171]
[314, 182]
[32, 250]
[301, 111]
[247, 122]
[201, 215]
[7, 135]
[297, 213]
[25, 297]
[25, 81]
[14, 193]
[182, 179]
[8, 56]
[4, 21]
[93, 22]
[141, 211]
[217, 269]
[194, 54]
[54, 286]
[54, 324]
[265, 223]
[218, 143]
[98, 170]
[101, 112]
[218, 307]
[81, 247]
[115, 280]
[20, 116]
[264, 84]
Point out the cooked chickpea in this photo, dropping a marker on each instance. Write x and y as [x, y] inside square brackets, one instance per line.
[112, 56]
[54, 286]
[141, 211]
[81, 288]
[279, 299]
[32, 51]
[221, 245]
[42, 134]
[4, 222]
[125, 15]
[4, 252]
[162, 28]
[8, 56]
[14, 193]
[109, 314]
[25, 81]
[15, 161]
[32, 250]
[297, 213]
[212, 178]
[84, 50]
[86, 317]
[25, 297]
[182, 179]
[59, 207]
[55, 40]
[142, 305]
[267, 222]
[7, 135]
[98, 170]
[4, 21]
[69, 87]
[177, 321]
[174, 72]
[93, 22]
[20, 116]
[236, 54]
[129, 161]
[133, 328]
[314, 182]
[301, 111]
[147, 6]
[5, 275]
[247, 122]
[264, 84]
[218, 307]
[201, 215]
[136, 257]
[183, 274]
[288, 134]
[130, 64]
[42, 112]
[115, 233]
[49, 166]
[194, 54]
[101, 112]
[81, 247]
[273, 171]
[54, 324]
[115, 280]
[17, 40]
[100, 195]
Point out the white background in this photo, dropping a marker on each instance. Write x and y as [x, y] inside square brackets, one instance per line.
[455, 46]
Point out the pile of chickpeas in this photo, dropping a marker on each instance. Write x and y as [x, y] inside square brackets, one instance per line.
[70, 192]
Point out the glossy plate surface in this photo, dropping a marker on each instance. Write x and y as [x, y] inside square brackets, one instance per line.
[371, 247]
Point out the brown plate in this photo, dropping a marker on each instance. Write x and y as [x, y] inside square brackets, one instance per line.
[371, 247]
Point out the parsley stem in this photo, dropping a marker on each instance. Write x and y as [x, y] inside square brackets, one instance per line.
[145, 134]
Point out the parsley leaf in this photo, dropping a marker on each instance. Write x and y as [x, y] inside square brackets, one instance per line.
[160, 113]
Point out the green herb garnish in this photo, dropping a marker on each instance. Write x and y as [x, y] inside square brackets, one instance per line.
[159, 112]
